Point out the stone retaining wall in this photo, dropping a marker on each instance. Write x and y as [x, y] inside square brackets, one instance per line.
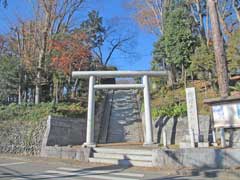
[197, 158]
[22, 137]
[63, 131]
[177, 129]
[76, 153]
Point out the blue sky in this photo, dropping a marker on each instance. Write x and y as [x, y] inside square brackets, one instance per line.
[108, 9]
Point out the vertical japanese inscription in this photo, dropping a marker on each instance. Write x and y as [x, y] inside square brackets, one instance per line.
[192, 112]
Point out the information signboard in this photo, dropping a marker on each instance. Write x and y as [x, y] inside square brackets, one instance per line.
[226, 115]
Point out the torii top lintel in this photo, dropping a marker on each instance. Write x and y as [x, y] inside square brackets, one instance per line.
[110, 74]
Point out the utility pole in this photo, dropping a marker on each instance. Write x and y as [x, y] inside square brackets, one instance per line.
[220, 57]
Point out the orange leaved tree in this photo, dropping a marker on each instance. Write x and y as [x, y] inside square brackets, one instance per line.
[69, 52]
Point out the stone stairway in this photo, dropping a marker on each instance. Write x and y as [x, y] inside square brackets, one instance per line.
[123, 157]
[124, 123]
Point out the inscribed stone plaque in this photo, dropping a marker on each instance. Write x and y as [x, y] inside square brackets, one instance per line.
[192, 112]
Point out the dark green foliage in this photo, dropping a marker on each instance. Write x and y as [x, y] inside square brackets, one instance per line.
[179, 41]
[233, 52]
[159, 54]
[93, 27]
[203, 61]
[9, 78]
[236, 87]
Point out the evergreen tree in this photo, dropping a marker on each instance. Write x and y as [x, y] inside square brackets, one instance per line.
[178, 41]
[203, 59]
[94, 29]
[9, 79]
[233, 52]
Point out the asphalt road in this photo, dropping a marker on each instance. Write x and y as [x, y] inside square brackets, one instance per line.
[30, 168]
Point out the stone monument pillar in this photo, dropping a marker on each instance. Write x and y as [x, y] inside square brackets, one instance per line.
[192, 113]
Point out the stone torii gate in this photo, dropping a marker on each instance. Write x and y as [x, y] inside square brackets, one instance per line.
[148, 140]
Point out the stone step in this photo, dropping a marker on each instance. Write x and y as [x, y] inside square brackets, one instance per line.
[123, 156]
[124, 121]
[123, 162]
[124, 151]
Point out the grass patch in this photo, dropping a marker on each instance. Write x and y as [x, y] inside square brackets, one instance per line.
[30, 112]
[167, 101]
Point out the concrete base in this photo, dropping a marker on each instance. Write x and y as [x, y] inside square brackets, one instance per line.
[215, 144]
[151, 145]
[65, 152]
[89, 145]
[184, 145]
[203, 144]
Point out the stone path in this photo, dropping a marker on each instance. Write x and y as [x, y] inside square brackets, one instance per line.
[125, 124]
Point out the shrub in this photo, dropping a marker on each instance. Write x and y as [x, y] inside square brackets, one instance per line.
[174, 110]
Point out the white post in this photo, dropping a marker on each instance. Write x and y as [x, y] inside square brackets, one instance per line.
[214, 136]
[90, 113]
[164, 137]
[147, 108]
[223, 143]
[192, 138]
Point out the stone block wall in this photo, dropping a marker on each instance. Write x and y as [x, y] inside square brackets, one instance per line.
[22, 137]
[64, 136]
[63, 131]
[232, 137]
[197, 158]
[66, 152]
[28, 137]
[177, 129]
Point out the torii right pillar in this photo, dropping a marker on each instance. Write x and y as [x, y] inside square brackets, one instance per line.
[148, 141]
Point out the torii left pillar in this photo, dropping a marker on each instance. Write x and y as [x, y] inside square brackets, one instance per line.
[90, 114]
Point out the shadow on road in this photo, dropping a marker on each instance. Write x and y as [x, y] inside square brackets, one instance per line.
[11, 173]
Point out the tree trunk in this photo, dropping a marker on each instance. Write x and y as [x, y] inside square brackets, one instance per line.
[207, 27]
[20, 83]
[201, 21]
[185, 79]
[19, 94]
[183, 73]
[221, 64]
[69, 87]
[56, 93]
[37, 94]
[43, 47]
[38, 81]
[74, 91]
[55, 89]
[171, 75]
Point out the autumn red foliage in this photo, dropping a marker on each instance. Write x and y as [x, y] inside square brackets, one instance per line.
[71, 53]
